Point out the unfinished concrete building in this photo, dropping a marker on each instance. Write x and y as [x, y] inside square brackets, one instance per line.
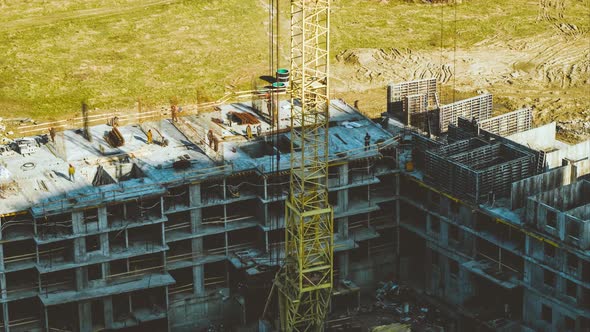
[181, 232]
[486, 217]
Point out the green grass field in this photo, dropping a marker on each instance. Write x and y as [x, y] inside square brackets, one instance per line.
[54, 54]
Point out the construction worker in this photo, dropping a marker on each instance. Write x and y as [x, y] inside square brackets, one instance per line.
[72, 172]
[149, 136]
[249, 132]
[367, 141]
[210, 137]
[174, 112]
[259, 130]
[52, 134]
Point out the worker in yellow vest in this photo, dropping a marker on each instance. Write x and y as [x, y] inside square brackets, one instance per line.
[249, 132]
[149, 137]
[72, 172]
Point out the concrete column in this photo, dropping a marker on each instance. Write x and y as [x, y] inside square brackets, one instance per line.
[194, 191]
[5, 312]
[444, 232]
[343, 174]
[104, 244]
[197, 246]
[102, 218]
[342, 200]
[343, 227]
[265, 181]
[343, 265]
[196, 220]
[81, 278]
[199, 280]
[79, 250]
[85, 316]
[78, 222]
[108, 312]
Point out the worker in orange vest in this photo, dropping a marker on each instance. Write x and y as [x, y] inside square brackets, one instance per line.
[72, 172]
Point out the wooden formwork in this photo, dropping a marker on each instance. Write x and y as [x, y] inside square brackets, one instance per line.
[509, 123]
[478, 107]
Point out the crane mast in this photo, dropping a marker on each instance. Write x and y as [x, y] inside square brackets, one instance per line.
[305, 281]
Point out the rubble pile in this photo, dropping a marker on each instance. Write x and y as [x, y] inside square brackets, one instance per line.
[402, 304]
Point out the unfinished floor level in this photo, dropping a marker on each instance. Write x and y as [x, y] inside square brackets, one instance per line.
[485, 216]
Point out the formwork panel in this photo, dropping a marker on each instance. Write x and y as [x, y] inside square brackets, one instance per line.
[509, 123]
[397, 92]
[478, 107]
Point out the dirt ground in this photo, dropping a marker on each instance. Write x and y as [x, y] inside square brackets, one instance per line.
[549, 73]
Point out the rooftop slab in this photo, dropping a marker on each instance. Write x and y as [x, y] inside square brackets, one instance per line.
[40, 180]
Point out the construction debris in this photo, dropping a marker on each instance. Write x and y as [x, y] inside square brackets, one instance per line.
[245, 118]
[115, 138]
[395, 327]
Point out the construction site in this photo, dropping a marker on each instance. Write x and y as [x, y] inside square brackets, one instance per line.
[285, 209]
[489, 218]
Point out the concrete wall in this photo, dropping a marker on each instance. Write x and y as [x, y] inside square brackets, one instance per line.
[573, 152]
[522, 189]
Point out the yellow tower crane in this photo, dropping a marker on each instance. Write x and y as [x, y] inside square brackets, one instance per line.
[305, 280]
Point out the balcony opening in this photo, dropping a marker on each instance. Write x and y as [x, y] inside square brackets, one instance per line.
[434, 258]
[212, 191]
[19, 253]
[434, 225]
[242, 185]
[177, 198]
[146, 264]
[22, 226]
[56, 253]
[183, 282]
[97, 314]
[546, 313]
[551, 219]
[94, 272]
[454, 269]
[178, 224]
[215, 275]
[572, 261]
[115, 215]
[454, 233]
[58, 281]
[549, 278]
[90, 220]
[92, 243]
[569, 323]
[454, 207]
[63, 317]
[20, 282]
[180, 253]
[25, 315]
[117, 268]
[213, 217]
[117, 241]
[148, 237]
[121, 307]
[54, 226]
[549, 250]
[571, 289]
[573, 230]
